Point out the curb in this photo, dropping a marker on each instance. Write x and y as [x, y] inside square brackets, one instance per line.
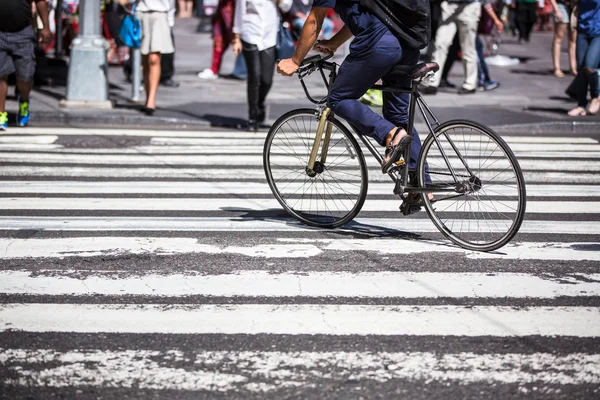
[106, 118]
[62, 118]
[553, 127]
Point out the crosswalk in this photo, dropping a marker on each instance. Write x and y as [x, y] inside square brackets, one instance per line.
[157, 264]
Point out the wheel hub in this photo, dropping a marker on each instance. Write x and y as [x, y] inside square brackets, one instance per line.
[318, 169]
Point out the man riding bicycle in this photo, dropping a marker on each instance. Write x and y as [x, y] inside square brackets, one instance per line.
[374, 51]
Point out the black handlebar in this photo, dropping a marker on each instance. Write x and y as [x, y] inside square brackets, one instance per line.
[315, 58]
[310, 65]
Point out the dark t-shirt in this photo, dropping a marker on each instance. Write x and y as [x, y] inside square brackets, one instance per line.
[366, 28]
[15, 15]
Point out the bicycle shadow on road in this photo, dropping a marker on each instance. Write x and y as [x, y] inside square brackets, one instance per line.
[353, 229]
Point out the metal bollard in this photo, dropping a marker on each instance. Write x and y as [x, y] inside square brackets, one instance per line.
[135, 74]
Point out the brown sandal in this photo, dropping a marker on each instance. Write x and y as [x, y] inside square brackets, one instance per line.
[394, 151]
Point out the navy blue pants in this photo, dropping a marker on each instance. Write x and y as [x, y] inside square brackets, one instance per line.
[361, 71]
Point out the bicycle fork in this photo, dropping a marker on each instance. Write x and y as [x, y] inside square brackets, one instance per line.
[314, 167]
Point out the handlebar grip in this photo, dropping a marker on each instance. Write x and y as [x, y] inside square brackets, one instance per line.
[315, 58]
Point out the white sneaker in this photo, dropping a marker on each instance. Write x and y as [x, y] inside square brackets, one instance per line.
[207, 74]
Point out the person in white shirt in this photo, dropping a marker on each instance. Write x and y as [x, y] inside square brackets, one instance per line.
[255, 27]
[156, 40]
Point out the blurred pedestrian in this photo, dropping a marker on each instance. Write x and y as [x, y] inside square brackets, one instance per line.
[156, 40]
[544, 11]
[462, 17]
[167, 61]
[186, 8]
[17, 52]
[525, 15]
[562, 22]
[222, 31]
[489, 20]
[588, 57]
[255, 28]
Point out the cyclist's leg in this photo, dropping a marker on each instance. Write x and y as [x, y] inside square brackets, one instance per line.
[395, 105]
[357, 74]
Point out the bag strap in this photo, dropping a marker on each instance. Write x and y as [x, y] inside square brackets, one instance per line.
[133, 7]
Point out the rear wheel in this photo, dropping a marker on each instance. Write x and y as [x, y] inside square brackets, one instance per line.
[480, 198]
[335, 194]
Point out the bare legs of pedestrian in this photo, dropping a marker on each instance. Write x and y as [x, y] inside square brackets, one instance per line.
[186, 8]
[560, 29]
[3, 92]
[23, 87]
[151, 67]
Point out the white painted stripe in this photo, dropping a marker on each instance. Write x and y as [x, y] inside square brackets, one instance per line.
[294, 284]
[554, 142]
[254, 172]
[302, 319]
[31, 147]
[238, 224]
[222, 134]
[203, 188]
[233, 204]
[280, 248]
[212, 146]
[214, 160]
[27, 139]
[102, 368]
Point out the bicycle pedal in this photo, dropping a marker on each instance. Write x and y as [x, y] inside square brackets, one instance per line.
[407, 208]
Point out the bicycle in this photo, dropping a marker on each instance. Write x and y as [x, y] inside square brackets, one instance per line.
[317, 171]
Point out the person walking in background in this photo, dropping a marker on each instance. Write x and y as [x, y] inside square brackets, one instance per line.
[17, 52]
[562, 21]
[525, 15]
[486, 28]
[222, 31]
[588, 57]
[255, 28]
[462, 16]
[300, 10]
[156, 40]
[186, 8]
[167, 61]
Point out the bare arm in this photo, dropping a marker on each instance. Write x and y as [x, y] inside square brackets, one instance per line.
[490, 10]
[42, 10]
[310, 33]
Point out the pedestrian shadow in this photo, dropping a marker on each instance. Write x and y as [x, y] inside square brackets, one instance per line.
[552, 110]
[532, 72]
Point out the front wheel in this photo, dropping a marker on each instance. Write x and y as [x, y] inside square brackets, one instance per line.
[334, 193]
[477, 185]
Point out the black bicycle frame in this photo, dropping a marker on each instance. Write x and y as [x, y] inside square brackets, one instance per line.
[415, 99]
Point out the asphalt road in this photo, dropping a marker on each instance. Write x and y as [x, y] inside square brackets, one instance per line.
[157, 264]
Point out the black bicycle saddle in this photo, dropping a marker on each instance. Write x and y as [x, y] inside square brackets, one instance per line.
[415, 71]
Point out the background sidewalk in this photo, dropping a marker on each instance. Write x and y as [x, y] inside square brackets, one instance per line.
[530, 98]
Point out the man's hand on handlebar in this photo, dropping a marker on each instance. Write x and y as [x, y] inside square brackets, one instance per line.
[287, 67]
[325, 47]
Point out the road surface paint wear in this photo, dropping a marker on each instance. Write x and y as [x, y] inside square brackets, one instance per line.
[313, 284]
[226, 188]
[287, 224]
[283, 248]
[555, 151]
[179, 135]
[302, 319]
[267, 371]
[231, 204]
[237, 174]
[212, 160]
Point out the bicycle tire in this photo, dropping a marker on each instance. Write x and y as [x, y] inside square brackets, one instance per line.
[344, 177]
[492, 198]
